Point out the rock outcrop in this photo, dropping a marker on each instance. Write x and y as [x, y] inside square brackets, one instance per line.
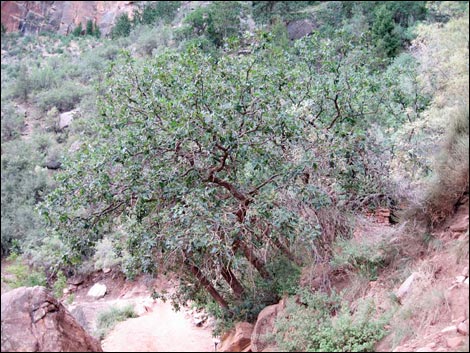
[97, 291]
[300, 28]
[34, 321]
[265, 325]
[238, 339]
[32, 17]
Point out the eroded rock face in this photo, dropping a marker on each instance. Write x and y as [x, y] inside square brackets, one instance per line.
[34, 321]
[32, 17]
[265, 325]
[237, 339]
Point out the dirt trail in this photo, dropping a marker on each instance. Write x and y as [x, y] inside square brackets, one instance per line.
[161, 330]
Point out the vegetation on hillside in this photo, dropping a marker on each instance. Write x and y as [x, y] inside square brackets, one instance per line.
[209, 144]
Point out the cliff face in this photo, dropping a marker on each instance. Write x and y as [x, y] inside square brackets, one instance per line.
[32, 17]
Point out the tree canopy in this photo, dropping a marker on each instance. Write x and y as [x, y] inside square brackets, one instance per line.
[214, 164]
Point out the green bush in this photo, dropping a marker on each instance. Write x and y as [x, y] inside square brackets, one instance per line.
[64, 98]
[366, 258]
[109, 318]
[23, 184]
[122, 27]
[59, 285]
[159, 11]
[78, 30]
[217, 21]
[105, 256]
[323, 324]
[12, 123]
[23, 275]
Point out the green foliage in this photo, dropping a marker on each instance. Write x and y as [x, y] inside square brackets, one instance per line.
[59, 285]
[286, 276]
[149, 39]
[225, 144]
[97, 31]
[383, 31]
[23, 184]
[366, 258]
[122, 28]
[217, 21]
[64, 98]
[325, 325]
[267, 11]
[159, 11]
[12, 123]
[23, 275]
[109, 318]
[105, 256]
[22, 85]
[78, 30]
[89, 28]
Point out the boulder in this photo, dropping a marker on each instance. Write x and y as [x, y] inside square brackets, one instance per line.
[34, 321]
[265, 325]
[405, 287]
[460, 226]
[65, 119]
[237, 339]
[462, 328]
[454, 342]
[97, 291]
[300, 28]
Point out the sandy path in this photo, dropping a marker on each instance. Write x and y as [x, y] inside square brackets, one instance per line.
[161, 330]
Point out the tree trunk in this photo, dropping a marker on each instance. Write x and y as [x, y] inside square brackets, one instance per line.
[252, 258]
[205, 282]
[285, 251]
[236, 286]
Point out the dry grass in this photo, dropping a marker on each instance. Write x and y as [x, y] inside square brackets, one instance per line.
[426, 305]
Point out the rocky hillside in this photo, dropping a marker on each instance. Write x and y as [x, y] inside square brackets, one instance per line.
[32, 17]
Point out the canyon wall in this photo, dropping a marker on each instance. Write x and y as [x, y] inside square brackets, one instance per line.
[32, 17]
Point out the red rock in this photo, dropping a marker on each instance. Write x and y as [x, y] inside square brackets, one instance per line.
[32, 17]
[454, 342]
[238, 339]
[462, 328]
[264, 325]
[34, 321]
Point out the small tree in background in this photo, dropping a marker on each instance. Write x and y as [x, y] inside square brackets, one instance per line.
[97, 32]
[383, 31]
[78, 30]
[89, 28]
[122, 27]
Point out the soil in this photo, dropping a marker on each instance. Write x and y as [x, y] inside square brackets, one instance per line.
[160, 329]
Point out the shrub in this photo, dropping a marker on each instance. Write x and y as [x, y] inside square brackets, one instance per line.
[147, 39]
[217, 21]
[89, 28]
[159, 11]
[122, 27]
[78, 30]
[59, 285]
[451, 178]
[24, 276]
[109, 318]
[12, 123]
[105, 257]
[366, 258]
[64, 98]
[324, 325]
[22, 186]
[22, 85]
